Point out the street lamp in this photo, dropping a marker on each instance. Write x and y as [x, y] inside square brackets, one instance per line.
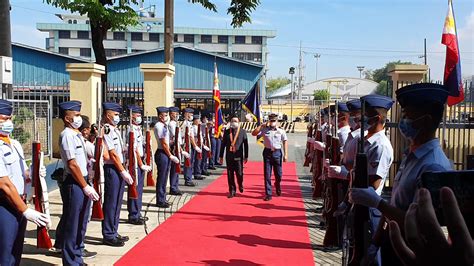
[291, 72]
[360, 68]
[317, 56]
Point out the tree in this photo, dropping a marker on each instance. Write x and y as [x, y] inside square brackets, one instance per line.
[380, 75]
[274, 84]
[321, 95]
[105, 15]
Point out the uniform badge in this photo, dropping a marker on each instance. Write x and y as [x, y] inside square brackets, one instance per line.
[106, 129]
[374, 164]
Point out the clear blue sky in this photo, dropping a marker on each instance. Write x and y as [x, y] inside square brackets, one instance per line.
[346, 33]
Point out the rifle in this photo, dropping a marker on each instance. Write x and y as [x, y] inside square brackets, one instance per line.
[358, 221]
[97, 211]
[187, 161]
[176, 149]
[307, 153]
[149, 176]
[207, 142]
[132, 189]
[199, 144]
[41, 194]
[318, 163]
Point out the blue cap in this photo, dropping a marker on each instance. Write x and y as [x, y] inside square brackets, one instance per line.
[174, 109]
[422, 93]
[70, 106]
[354, 105]
[377, 101]
[196, 117]
[135, 109]
[111, 106]
[6, 107]
[341, 107]
[162, 109]
[188, 110]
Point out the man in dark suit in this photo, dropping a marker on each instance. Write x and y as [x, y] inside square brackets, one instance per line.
[237, 152]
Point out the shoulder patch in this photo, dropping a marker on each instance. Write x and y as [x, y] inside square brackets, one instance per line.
[106, 129]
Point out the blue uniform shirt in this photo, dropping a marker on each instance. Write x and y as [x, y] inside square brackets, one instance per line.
[172, 125]
[13, 164]
[139, 143]
[273, 138]
[162, 132]
[343, 134]
[427, 157]
[379, 156]
[350, 149]
[113, 140]
[72, 147]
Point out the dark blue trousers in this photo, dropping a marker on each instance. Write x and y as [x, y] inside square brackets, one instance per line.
[163, 168]
[174, 178]
[134, 206]
[76, 208]
[197, 171]
[113, 196]
[272, 160]
[213, 151]
[204, 161]
[12, 234]
[218, 150]
[188, 171]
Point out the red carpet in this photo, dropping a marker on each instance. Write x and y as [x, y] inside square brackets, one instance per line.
[214, 230]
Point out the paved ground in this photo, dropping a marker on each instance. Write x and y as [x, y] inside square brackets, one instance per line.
[107, 255]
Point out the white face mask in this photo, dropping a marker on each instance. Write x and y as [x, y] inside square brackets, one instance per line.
[6, 127]
[190, 119]
[76, 122]
[273, 124]
[138, 120]
[116, 120]
[167, 119]
[234, 125]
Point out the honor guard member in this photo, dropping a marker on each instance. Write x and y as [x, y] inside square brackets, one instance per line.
[13, 173]
[197, 171]
[188, 171]
[163, 156]
[205, 158]
[236, 145]
[343, 128]
[134, 206]
[115, 175]
[214, 150]
[172, 125]
[274, 139]
[422, 107]
[77, 192]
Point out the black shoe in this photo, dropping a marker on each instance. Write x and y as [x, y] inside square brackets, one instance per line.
[163, 205]
[241, 189]
[176, 193]
[115, 242]
[212, 168]
[231, 195]
[198, 177]
[206, 173]
[267, 198]
[86, 254]
[190, 184]
[123, 238]
[136, 221]
[143, 218]
[278, 189]
[331, 249]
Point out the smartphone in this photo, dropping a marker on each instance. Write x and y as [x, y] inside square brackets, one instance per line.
[462, 184]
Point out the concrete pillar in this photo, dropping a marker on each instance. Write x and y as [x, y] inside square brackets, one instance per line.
[158, 87]
[85, 86]
[401, 75]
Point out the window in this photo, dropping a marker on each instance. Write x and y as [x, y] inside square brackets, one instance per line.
[154, 37]
[74, 22]
[114, 52]
[119, 36]
[254, 57]
[176, 38]
[87, 21]
[83, 35]
[85, 52]
[64, 50]
[137, 36]
[256, 39]
[137, 51]
[69, 21]
[188, 38]
[206, 39]
[223, 39]
[239, 39]
[64, 34]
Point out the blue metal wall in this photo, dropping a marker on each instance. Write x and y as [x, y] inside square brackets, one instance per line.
[33, 67]
[194, 70]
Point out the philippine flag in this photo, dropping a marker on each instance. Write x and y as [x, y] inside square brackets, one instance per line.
[452, 67]
[219, 122]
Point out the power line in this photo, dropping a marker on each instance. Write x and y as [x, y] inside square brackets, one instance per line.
[33, 9]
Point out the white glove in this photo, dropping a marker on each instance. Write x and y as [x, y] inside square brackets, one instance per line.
[91, 193]
[206, 148]
[198, 150]
[311, 140]
[364, 196]
[127, 177]
[42, 171]
[146, 168]
[40, 219]
[186, 155]
[318, 145]
[174, 159]
[339, 172]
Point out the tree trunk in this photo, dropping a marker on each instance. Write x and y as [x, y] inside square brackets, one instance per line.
[98, 34]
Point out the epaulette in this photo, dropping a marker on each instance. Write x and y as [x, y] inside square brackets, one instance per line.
[106, 129]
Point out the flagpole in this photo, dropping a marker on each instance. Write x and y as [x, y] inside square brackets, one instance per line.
[212, 96]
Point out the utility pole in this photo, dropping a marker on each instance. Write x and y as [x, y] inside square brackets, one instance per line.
[300, 73]
[291, 72]
[360, 68]
[5, 50]
[169, 32]
[317, 56]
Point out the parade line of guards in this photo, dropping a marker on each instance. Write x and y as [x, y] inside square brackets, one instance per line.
[422, 110]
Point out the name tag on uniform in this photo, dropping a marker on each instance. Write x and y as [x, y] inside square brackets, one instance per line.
[78, 147]
[7, 154]
[115, 138]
